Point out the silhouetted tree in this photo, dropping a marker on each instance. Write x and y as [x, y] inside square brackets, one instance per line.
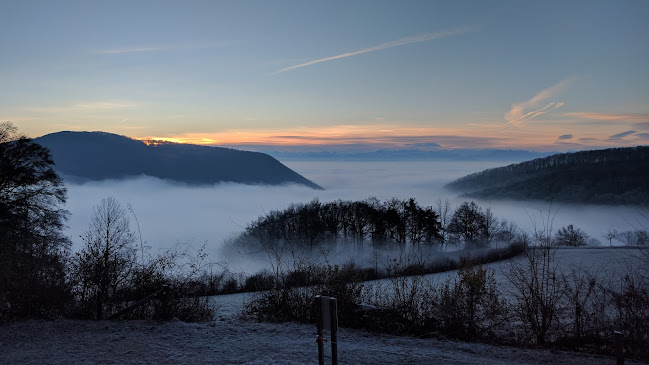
[571, 236]
[469, 223]
[32, 247]
[108, 254]
[610, 235]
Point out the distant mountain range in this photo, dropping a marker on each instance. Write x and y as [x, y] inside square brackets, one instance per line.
[610, 176]
[84, 156]
[435, 154]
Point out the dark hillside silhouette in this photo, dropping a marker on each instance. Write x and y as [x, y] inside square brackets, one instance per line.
[610, 176]
[100, 156]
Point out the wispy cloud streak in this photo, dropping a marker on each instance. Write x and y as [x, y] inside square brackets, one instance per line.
[609, 116]
[177, 47]
[622, 135]
[520, 112]
[382, 46]
[101, 106]
[130, 50]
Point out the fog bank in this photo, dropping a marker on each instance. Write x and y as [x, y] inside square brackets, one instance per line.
[169, 213]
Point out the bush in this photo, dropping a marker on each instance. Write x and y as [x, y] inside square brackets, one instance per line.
[571, 236]
[263, 280]
[295, 303]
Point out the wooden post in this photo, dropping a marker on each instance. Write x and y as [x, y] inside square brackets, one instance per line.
[319, 340]
[333, 315]
[619, 347]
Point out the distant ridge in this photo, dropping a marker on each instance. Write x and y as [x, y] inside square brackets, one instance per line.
[100, 156]
[609, 176]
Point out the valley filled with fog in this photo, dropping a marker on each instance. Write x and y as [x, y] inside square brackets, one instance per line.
[168, 213]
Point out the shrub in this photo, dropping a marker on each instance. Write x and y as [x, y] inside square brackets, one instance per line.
[263, 280]
[571, 236]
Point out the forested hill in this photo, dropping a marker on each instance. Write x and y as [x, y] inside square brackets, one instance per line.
[100, 156]
[610, 176]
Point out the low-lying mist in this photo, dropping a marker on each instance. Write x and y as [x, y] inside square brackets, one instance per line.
[168, 213]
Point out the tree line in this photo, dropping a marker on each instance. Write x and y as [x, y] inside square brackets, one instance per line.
[376, 223]
[609, 176]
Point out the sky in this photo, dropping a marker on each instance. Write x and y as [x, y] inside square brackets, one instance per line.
[544, 75]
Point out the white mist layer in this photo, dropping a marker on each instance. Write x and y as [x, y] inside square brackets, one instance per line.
[169, 213]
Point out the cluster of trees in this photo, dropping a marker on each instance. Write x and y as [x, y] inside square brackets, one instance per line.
[310, 224]
[638, 237]
[401, 222]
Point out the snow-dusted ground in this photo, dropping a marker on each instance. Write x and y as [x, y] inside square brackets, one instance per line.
[229, 340]
[241, 342]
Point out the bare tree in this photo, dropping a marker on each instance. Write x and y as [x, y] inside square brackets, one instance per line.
[444, 211]
[537, 282]
[610, 235]
[106, 260]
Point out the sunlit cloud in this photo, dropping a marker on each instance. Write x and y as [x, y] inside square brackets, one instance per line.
[383, 134]
[368, 137]
[538, 105]
[609, 117]
[382, 46]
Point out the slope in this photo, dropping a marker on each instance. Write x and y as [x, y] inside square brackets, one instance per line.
[610, 176]
[100, 156]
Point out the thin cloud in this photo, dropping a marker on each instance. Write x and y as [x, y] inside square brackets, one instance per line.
[83, 107]
[159, 48]
[130, 50]
[622, 135]
[565, 136]
[610, 117]
[521, 112]
[382, 46]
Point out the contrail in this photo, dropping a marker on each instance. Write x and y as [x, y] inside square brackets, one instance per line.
[382, 46]
[518, 113]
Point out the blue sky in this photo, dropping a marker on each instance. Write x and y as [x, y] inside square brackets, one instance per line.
[551, 75]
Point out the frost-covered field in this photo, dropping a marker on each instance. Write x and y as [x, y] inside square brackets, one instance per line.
[230, 340]
[608, 264]
[240, 342]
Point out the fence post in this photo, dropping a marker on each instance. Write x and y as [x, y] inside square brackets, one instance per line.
[320, 339]
[333, 315]
[619, 347]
